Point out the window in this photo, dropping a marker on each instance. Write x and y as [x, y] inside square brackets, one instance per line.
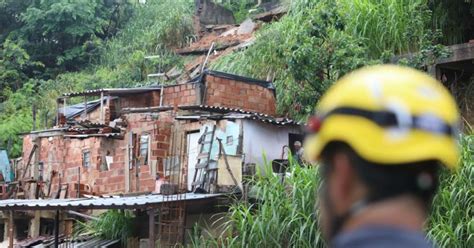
[86, 159]
[144, 145]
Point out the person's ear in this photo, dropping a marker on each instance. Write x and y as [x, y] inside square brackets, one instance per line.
[342, 182]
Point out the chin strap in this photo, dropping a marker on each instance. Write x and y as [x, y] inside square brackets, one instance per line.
[339, 221]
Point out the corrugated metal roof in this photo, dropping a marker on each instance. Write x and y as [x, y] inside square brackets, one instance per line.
[83, 136]
[131, 202]
[233, 113]
[242, 79]
[112, 91]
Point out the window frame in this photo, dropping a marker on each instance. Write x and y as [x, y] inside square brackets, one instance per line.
[146, 159]
[86, 164]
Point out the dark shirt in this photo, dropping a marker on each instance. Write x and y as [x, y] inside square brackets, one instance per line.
[381, 236]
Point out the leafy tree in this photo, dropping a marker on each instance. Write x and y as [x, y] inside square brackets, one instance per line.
[15, 117]
[10, 13]
[14, 64]
[455, 18]
[62, 33]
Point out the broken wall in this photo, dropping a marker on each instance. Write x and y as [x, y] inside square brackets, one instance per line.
[63, 163]
[65, 155]
[147, 99]
[236, 94]
[92, 116]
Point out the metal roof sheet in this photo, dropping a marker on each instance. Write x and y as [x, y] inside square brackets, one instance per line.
[112, 91]
[230, 113]
[130, 202]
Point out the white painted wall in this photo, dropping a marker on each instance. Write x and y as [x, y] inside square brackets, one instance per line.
[261, 138]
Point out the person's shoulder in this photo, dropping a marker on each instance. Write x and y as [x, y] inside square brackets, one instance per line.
[381, 236]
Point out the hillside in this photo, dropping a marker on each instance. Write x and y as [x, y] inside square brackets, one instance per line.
[106, 44]
[51, 47]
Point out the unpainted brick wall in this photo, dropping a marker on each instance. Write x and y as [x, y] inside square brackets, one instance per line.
[182, 94]
[158, 126]
[64, 155]
[235, 94]
[93, 116]
[147, 99]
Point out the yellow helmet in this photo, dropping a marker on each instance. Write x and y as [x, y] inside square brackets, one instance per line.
[389, 115]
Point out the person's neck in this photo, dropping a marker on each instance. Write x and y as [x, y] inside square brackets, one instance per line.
[403, 212]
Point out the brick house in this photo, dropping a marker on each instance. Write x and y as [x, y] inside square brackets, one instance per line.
[202, 136]
[120, 141]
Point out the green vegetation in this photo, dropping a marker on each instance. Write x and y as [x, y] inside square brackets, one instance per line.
[282, 216]
[319, 41]
[454, 18]
[52, 47]
[391, 26]
[111, 225]
[452, 216]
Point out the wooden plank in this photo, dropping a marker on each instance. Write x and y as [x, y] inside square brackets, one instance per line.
[151, 228]
[460, 52]
[30, 157]
[10, 230]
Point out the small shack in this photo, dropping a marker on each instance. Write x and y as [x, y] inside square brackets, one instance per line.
[171, 144]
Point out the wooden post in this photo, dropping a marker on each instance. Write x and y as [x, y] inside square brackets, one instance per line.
[64, 108]
[34, 116]
[79, 182]
[10, 230]
[56, 229]
[151, 228]
[101, 107]
[107, 105]
[85, 107]
[57, 112]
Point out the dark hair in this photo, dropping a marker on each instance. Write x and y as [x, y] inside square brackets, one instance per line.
[419, 179]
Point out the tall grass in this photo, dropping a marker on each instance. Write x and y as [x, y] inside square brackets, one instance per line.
[111, 225]
[387, 25]
[452, 218]
[454, 18]
[282, 216]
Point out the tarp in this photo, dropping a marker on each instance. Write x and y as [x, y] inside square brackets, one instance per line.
[77, 109]
[5, 167]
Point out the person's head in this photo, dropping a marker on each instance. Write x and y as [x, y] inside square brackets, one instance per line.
[350, 179]
[380, 134]
[297, 145]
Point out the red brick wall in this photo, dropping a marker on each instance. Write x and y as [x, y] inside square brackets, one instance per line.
[93, 116]
[235, 94]
[183, 94]
[64, 155]
[159, 129]
[147, 99]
